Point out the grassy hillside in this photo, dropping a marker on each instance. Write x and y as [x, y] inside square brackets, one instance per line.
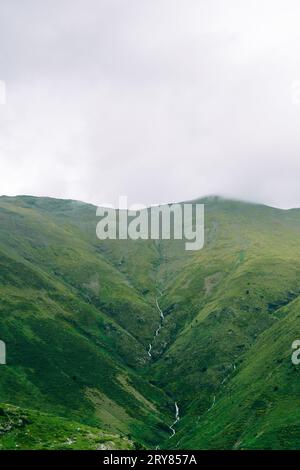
[74, 326]
[28, 429]
[78, 315]
[258, 407]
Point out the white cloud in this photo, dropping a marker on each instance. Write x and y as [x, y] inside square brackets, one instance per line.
[161, 100]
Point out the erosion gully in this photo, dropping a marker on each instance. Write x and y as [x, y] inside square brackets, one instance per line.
[157, 331]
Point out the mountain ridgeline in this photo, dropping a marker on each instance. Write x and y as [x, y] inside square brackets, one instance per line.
[122, 344]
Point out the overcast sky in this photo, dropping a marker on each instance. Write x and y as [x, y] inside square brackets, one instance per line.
[159, 100]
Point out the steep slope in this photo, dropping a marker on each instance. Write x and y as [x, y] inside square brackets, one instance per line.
[78, 316]
[258, 407]
[223, 301]
[74, 327]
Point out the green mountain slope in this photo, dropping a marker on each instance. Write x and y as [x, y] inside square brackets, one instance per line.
[78, 315]
[30, 430]
[74, 327]
[258, 407]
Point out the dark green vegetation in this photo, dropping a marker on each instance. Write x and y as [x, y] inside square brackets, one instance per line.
[78, 314]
